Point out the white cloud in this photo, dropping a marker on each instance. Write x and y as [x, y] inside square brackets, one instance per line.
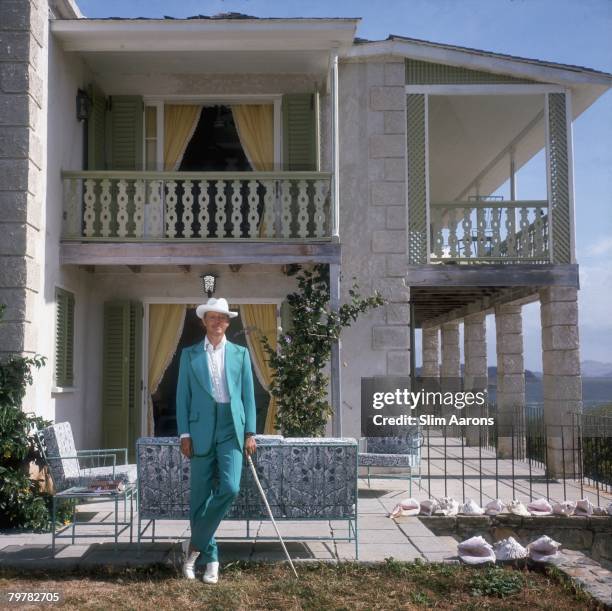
[603, 246]
[595, 296]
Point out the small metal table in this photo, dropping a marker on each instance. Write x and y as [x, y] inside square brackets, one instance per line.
[94, 496]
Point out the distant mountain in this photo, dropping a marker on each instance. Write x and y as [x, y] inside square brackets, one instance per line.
[596, 369]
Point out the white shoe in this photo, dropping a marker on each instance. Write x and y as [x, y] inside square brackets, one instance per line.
[211, 575]
[189, 565]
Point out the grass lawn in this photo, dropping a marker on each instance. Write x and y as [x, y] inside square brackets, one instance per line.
[395, 585]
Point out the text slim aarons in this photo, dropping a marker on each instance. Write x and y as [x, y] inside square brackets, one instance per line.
[411, 399]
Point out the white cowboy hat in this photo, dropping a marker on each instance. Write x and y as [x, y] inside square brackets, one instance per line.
[215, 305]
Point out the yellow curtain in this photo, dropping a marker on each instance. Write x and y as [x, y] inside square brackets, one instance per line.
[260, 320]
[166, 321]
[255, 126]
[180, 121]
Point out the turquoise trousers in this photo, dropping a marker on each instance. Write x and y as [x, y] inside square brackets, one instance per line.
[209, 503]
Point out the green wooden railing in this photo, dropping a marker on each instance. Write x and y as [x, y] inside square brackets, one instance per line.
[490, 231]
[117, 206]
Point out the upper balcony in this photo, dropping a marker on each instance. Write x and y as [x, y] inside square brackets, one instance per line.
[489, 171]
[205, 138]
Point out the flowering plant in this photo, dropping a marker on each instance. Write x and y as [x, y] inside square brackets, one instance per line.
[299, 383]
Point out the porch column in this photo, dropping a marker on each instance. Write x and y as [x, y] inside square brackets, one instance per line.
[475, 374]
[451, 361]
[562, 379]
[510, 380]
[336, 395]
[431, 350]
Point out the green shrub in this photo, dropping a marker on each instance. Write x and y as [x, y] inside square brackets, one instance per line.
[299, 384]
[22, 505]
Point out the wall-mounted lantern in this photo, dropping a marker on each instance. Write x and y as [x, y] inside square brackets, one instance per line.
[208, 284]
[82, 105]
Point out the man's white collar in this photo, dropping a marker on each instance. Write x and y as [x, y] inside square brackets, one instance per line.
[220, 345]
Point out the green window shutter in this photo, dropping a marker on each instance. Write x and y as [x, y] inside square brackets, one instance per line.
[126, 132]
[135, 397]
[64, 338]
[96, 130]
[121, 379]
[299, 132]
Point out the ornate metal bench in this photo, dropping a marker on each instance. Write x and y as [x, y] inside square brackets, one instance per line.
[303, 478]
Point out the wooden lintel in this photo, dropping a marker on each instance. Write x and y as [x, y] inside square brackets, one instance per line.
[135, 268]
[494, 275]
[199, 253]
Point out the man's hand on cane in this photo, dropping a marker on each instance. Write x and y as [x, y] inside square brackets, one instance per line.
[186, 447]
[250, 445]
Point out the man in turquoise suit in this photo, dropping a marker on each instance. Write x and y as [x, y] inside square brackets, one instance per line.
[215, 414]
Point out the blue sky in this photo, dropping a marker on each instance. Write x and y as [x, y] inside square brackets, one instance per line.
[567, 31]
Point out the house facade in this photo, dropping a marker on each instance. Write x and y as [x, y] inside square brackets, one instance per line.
[139, 155]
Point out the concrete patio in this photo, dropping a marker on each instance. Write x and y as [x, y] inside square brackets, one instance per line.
[380, 537]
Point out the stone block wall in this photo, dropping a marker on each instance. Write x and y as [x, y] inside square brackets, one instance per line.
[591, 535]
[373, 217]
[23, 33]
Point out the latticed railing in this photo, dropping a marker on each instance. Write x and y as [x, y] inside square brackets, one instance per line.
[494, 231]
[143, 206]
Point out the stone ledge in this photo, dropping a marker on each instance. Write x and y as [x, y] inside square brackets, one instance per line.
[592, 535]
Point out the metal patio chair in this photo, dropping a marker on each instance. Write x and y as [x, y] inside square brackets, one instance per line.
[403, 451]
[71, 467]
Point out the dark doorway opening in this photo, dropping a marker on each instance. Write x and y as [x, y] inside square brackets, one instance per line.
[215, 145]
[164, 399]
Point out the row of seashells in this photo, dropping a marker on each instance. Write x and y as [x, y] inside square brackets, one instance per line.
[476, 550]
[448, 506]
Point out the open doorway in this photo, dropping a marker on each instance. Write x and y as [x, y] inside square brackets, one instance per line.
[215, 144]
[164, 399]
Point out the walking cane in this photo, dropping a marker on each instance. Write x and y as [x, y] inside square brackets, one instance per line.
[265, 500]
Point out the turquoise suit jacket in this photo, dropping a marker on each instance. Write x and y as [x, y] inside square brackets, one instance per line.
[195, 404]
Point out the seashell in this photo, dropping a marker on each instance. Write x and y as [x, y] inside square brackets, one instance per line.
[406, 507]
[540, 507]
[584, 507]
[564, 508]
[492, 508]
[475, 551]
[447, 506]
[518, 509]
[599, 511]
[509, 549]
[543, 549]
[428, 507]
[471, 508]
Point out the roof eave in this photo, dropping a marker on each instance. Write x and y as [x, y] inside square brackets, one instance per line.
[475, 60]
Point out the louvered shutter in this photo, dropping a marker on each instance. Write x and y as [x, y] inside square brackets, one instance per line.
[121, 375]
[126, 132]
[299, 132]
[64, 338]
[96, 130]
[135, 378]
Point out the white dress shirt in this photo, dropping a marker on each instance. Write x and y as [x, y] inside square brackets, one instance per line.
[215, 358]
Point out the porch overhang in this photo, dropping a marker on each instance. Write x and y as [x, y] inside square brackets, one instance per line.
[442, 293]
[586, 85]
[220, 46]
[197, 253]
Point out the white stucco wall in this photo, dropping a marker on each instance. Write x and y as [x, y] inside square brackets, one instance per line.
[63, 138]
